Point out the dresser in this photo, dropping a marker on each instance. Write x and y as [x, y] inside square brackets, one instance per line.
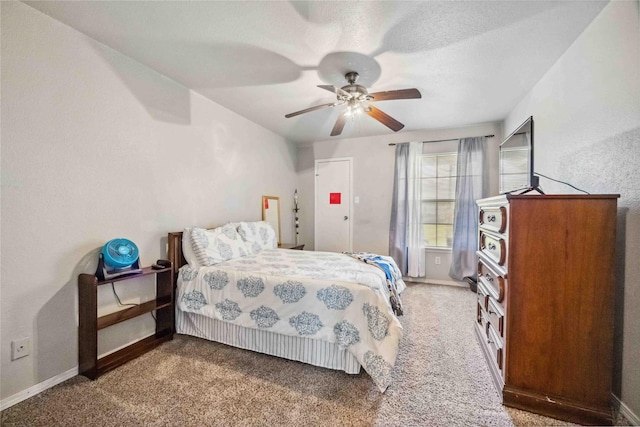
[545, 302]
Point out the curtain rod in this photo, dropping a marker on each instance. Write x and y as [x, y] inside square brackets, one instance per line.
[443, 140]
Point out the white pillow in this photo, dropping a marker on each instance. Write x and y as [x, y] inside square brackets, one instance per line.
[258, 235]
[217, 245]
[187, 248]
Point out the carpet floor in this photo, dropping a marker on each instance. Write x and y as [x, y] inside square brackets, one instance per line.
[440, 379]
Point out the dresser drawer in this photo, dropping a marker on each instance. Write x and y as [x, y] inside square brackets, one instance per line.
[483, 318]
[495, 313]
[483, 296]
[494, 246]
[494, 218]
[495, 347]
[494, 282]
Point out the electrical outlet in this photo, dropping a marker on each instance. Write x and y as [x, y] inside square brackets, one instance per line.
[438, 260]
[20, 348]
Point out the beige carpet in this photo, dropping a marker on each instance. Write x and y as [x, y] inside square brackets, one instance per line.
[440, 379]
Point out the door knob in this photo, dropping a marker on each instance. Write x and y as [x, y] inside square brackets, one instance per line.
[346, 217]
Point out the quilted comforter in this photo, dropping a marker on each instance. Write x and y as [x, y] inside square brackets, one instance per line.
[321, 295]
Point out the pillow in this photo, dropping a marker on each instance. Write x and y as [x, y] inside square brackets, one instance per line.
[217, 245]
[187, 248]
[258, 235]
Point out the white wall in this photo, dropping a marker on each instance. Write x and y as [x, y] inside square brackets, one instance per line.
[587, 132]
[373, 168]
[96, 146]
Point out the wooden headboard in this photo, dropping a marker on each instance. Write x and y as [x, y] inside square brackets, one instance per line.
[174, 252]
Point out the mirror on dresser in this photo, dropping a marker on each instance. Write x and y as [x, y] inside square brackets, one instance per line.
[271, 213]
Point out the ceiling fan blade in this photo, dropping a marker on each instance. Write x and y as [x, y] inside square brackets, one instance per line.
[384, 118]
[335, 90]
[337, 128]
[396, 94]
[306, 110]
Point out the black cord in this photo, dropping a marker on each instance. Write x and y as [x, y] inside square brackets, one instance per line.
[120, 304]
[113, 288]
[561, 182]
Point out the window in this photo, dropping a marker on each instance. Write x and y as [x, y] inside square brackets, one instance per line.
[439, 173]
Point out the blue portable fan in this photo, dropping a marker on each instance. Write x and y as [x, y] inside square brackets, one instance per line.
[118, 257]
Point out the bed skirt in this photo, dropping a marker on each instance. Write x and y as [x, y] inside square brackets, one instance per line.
[301, 349]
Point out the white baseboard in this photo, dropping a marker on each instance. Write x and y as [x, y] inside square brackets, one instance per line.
[38, 388]
[625, 411]
[47, 384]
[44, 385]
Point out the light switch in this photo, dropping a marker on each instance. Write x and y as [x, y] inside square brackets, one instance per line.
[356, 199]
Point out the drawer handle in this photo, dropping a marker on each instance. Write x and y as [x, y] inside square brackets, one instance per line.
[492, 246]
[492, 312]
[491, 218]
[488, 277]
[503, 212]
[490, 342]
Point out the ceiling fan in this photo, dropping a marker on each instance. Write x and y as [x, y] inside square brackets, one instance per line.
[358, 100]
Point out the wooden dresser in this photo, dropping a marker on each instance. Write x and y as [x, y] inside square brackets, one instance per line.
[546, 301]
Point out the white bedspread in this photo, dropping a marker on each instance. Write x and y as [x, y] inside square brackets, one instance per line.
[320, 295]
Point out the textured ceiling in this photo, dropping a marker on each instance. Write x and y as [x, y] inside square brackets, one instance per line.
[472, 61]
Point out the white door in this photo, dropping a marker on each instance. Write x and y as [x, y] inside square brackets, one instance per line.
[333, 205]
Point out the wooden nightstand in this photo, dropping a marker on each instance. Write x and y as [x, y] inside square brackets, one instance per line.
[291, 246]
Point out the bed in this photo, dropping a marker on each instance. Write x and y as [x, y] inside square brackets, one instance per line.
[326, 309]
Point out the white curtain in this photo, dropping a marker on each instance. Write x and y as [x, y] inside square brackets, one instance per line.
[471, 185]
[405, 232]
